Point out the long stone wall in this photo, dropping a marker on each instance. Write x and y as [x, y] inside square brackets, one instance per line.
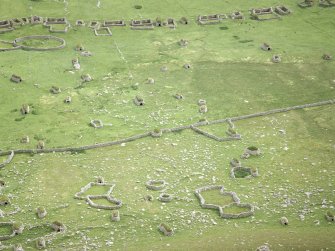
[180, 128]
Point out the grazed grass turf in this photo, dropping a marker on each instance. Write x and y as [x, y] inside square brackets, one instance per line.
[228, 70]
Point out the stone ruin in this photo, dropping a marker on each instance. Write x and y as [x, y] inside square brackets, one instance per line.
[68, 100]
[17, 247]
[243, 172]
[86, 78]
[150, 81]
[36, 20]
[115, 215]
[76, 64]
[41, 212]
[187, 66]
[80, 23]
[165, 197]
[138, 101]
[156, 185]
[156, 133]
[40, 243]
[171, 23]
[211, 19]
[86, 54]
[96, 123]
[203, 109]
[165, 229]
[144, 24]
[178, 96]
[266, 47]
[238, 15]
[183, 42]
[327, 57]
[183, 20]
[248, 207]
[330, 216]
[108, 196]
[4, 200]
[6, 26]
[55, 90]
[40, 145]
[94, 24]
[108, 32]
[25, 109]
[282, 10]
[25, 140]
[17, 228]
[306, 4]
[16, 79]
[58, 226]
[164, 68]
[109, 23]
[284, 221]
[263, 248]
[262, 11]
[52, 20]
[326, 3]
[276, 59]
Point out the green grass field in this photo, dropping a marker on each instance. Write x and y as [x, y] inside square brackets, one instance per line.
[228, 70]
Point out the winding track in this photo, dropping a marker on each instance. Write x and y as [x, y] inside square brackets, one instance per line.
[147, 134]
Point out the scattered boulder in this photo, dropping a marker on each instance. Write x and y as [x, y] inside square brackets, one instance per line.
[58, 226]
[16, 79]
[115, 215]
[25, 109]
[55, 90]
[24, 140]
[40, 144]
[165, 229]
[40, 243]
[284, 221]
[41, 212]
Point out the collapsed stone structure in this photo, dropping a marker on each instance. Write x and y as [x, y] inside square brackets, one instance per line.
[165, 229]
[237, 15]
[276, 59]
[58, 226]
[143, 24]
[25, 109]
[41, 212]
[138, 101]
[96, 123]
[248, 207]
[115, 215]
[284, 221]
[156, 185]
[306, 4]
[266, 47]
[16, 79]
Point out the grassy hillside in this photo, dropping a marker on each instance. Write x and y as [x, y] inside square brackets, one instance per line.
[228, 70]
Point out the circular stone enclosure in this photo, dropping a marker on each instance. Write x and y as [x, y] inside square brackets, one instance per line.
[39, 43]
